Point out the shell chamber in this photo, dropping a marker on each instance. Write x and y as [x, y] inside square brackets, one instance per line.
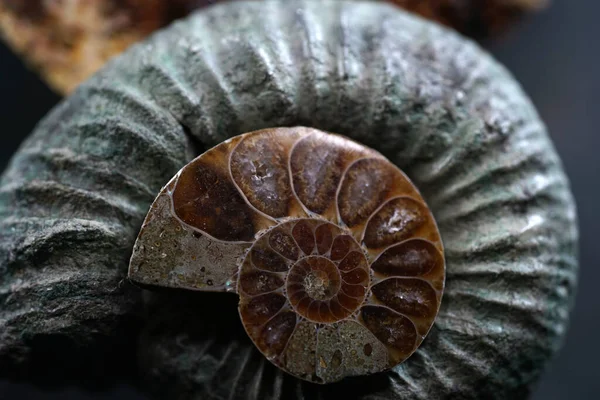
[336, 258]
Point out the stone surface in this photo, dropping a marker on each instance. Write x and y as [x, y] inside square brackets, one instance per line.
[74, 197]
[67, 41]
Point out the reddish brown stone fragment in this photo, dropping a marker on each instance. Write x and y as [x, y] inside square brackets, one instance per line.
[304, 236]
[341, 246]
[397, 220]
[392, 329]
[276, 333]
[411, 258]
[411, 297]
[206, 199]
[354, 290]
[261, 308]
[337, 310]
[356, 276]
[365, 186]
[265, 258]
[259, 166]
[317, 164]
[354, 259]
[316, 167]
[324, 238]
[257, 282]
[283, 243]
[348, 302]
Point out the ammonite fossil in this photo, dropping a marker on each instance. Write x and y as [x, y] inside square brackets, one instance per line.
[67, 41]
[337, 259]
[435, 105]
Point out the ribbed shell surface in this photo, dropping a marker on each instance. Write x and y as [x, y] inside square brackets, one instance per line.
[73, 199]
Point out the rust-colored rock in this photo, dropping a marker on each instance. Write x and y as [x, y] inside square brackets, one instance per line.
[477, 18]
[352, 289]
[66, 41]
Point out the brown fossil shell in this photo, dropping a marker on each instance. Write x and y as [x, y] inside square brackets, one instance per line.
[68, 40]
[336, 258]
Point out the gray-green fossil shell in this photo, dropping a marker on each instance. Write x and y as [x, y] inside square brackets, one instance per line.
[74, 197]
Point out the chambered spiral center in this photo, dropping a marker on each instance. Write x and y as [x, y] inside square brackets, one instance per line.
[310, 266]
[319, 276]
[328, 272]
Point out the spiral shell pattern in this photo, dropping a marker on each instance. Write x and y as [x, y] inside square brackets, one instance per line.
[340, 266]
[74, 197]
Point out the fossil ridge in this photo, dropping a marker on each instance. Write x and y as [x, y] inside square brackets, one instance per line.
[74, 197]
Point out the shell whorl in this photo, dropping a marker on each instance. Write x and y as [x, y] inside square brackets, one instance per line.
[431, 102]
[340, 266]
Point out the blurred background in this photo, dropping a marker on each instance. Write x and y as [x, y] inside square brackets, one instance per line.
[556, 57]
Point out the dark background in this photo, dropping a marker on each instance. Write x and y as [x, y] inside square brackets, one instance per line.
[555, 55]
